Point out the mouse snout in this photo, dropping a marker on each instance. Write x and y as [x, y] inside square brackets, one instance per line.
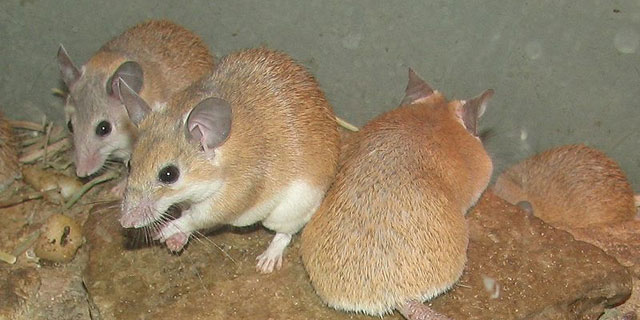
[136, 212]
[88, 163]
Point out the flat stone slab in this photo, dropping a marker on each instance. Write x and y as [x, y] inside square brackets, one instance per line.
[519, 267]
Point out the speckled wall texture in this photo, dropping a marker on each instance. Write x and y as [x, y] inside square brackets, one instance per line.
[563, 71]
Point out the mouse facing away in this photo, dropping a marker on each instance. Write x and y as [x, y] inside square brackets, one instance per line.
[255, 141]
[391, 231]
[156, 58]
[571, 186]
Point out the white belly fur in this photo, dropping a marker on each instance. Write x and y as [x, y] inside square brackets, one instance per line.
[288, 211]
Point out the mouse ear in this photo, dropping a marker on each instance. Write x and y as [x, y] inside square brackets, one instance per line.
[472, 110]
[209, 123]
[131, 73]
[70, 73]
[416, 89]
[136, 107]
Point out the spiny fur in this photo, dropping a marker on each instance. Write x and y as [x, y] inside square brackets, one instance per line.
[570, 186]
[391, 228]
[180, 56]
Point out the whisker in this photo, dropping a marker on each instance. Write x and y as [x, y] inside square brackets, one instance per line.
[204, 240]
[195, 269]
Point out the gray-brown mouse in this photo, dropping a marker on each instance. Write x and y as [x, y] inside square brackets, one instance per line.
[156, 58]
[391, 232]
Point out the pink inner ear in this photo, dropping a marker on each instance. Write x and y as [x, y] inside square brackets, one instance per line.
[460, 110]
[196, 133]
[115, 93]
[417, 89]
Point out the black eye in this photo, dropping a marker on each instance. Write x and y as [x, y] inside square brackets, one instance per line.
[103, 128]
[128, 164]
[169, 174]
[70, 126]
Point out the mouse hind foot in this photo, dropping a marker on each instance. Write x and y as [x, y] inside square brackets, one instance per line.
[271, 259]
[415, 310]
[297, 204]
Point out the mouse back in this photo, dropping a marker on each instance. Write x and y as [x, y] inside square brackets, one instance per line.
[155, 58]
[391, 227]
[570, 186]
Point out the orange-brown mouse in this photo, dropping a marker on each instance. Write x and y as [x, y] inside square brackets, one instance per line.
[9, 167]
[156, 58]
[255, 141]
[570, 186]
[391, 231]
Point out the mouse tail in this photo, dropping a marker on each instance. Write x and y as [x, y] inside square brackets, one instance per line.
[343, 123]
[416, 310]
[525, 206]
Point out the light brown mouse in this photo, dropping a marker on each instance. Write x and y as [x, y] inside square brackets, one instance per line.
[571, 186]
[156, 58]
[391, 231]
[9, 168]
[256, 141]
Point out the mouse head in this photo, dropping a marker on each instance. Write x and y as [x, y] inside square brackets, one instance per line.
[467, 113]
[179, 154]
[95, 115]
[452, 127]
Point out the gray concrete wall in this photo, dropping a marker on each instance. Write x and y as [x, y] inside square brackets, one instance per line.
[563, 71]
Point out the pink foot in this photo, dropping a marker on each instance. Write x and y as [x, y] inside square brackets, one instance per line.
[271, 259]
[177, 241]
[415, 310]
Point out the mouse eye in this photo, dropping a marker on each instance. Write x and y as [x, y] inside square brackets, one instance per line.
[169, 174]
[103, 128]
[70, 126]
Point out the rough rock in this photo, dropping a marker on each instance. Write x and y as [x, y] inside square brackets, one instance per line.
[532, 270]
[18, 286]
[622, 241]
[518, 268]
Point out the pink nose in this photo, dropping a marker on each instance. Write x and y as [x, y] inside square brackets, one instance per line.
[136, 214]
[88, 165]
[128, 220]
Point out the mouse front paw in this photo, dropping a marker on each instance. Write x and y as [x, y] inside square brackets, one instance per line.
[177, 241]
[173, 237]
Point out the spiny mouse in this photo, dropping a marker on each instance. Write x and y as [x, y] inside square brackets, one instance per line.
[156, 58]
[571, 186]
[255, 141]
[391, 232]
